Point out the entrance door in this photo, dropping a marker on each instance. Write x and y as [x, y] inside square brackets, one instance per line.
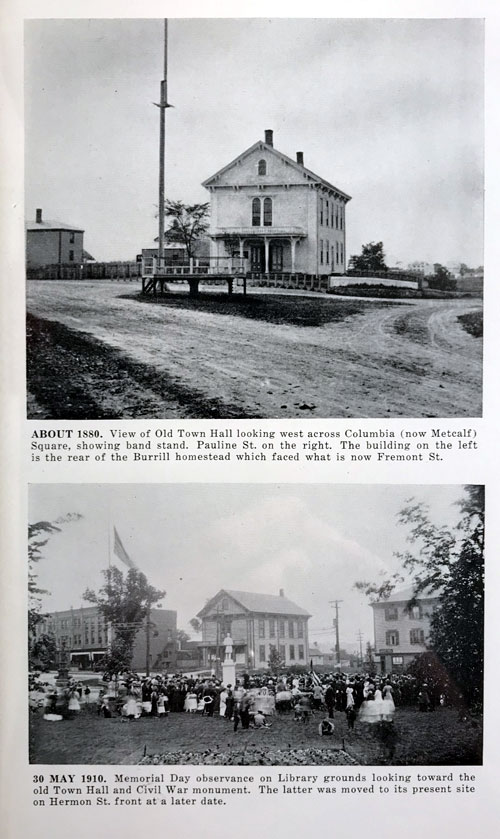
[257, 258]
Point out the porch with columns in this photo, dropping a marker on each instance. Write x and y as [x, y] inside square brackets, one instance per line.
[267, 250]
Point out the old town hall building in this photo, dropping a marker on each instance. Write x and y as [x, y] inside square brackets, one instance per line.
[274, 215]
[256, 624]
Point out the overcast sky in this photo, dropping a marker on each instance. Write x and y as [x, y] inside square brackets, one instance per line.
[314, 541]
[390, 111]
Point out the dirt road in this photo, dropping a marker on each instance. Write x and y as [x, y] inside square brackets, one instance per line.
[173, 360]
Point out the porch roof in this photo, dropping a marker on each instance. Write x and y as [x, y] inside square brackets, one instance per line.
[250, 232]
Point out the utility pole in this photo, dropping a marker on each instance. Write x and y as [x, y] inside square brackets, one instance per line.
[335, 604]
[163, 105]
[148, 637]
[360, 639]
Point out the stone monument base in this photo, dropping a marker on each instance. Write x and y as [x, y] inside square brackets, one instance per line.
[228, 673]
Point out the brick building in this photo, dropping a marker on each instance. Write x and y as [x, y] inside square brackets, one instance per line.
[276, 215]
[84, 634]
[256, 623]
[52, 242]
[402, 630]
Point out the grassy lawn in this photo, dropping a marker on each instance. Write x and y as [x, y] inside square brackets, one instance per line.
[293, 310]
[438, 738]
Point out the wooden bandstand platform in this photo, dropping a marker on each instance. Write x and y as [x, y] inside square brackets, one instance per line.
[158, 284]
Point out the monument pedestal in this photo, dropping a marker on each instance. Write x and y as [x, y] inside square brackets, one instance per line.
[228, 673]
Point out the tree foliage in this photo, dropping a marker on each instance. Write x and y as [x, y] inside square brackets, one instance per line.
[195, 624]
[188, 222]
[125, 603]
[276, 662]
[442, 279]
[182, 638]
[371, 258]
[449, 562]
[41, 651]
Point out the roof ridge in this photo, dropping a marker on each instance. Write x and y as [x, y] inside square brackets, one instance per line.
[298, 166]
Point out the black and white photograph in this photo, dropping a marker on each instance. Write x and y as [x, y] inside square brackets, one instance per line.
[245, 624]
[254, 218]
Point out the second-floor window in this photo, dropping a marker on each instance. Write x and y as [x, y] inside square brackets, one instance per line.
[268, 212]
[262, 212]
[392, 638]
[262, 629]
[262, 167]
[256, 212]
[391, 613]
[416, 636]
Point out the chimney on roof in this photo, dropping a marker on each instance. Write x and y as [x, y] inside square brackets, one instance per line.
[282, 592]
[38, 216]
[300, 158]
[268, 137]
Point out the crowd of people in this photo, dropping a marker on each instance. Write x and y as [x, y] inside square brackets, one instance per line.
[252, 701]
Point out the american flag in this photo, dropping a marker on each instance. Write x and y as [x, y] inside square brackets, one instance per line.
[314, 676]
[120, 551]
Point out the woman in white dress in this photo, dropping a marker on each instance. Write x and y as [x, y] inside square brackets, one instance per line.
[73, 700]
[131, 708]
[388, 706]
[370, 711]
[222, 703]
[161, 704]
[191, 703]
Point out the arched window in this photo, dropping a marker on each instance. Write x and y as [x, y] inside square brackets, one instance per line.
[256, 212]
[268, 212]
[262, 169]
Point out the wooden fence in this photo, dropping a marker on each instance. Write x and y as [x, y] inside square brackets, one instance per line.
[87, 271]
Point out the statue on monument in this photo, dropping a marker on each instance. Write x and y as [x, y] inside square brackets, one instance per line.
[228, 647]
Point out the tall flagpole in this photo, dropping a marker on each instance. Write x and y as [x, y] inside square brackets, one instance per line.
[161, 187]
[108, 625]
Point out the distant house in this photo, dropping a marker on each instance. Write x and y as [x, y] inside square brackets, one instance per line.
[51, 242]
[256, 623]
[276, 215]
[402, 630]
[320, 657]
[189, 657]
